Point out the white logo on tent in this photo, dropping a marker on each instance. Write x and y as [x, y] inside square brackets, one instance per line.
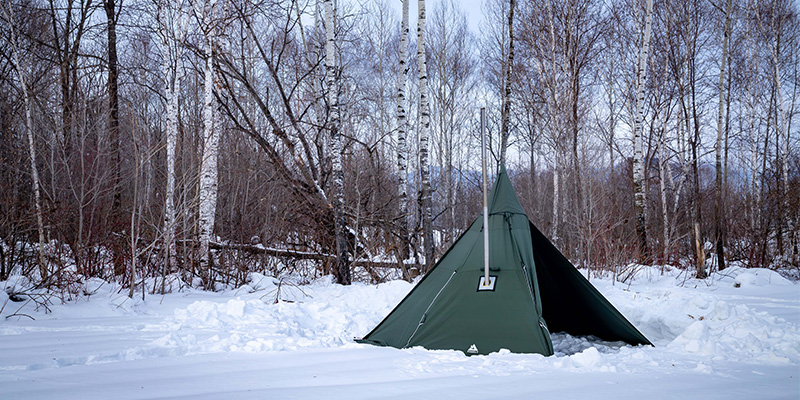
[473, 349]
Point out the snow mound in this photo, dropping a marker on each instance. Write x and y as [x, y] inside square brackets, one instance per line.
[260, 324]
[695, 323]
[759, 277]
[588, 359]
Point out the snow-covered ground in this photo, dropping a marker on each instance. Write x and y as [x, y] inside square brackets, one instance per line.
[733, 336]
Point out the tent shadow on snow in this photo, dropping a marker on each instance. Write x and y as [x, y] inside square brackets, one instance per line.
[536, 291]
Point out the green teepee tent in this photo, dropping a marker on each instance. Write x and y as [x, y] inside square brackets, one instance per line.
[535, 291]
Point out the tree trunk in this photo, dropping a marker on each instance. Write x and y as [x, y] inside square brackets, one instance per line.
[173, 31]
[208, 163]
[169, 193]
[402, 129]
[26, 96]
[719, 224]
[697, 215]
[342, 271]
[117, 222]
[507, 79]
[640, 199]
[424, 142]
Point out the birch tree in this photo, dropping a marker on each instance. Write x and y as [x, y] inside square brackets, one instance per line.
[507, 79]
[402, 131]
[640, 200]
[342, 271]
[556, 95]
[208, 163]
[719, 224]
[173, 27]
[424, 142]
[22, 74]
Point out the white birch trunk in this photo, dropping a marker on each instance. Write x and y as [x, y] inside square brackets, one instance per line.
[34, 172]
[424, 139]
[640, 199]
[402, 129]
[505, 113]
[555, 125]
[208, 165]
[317, 84]
[169, 194]
[173, 26]
[719, 227]
[22, 73]
[342, 271]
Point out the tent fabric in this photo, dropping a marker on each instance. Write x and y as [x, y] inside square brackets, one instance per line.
[572, 304]
[534, 283]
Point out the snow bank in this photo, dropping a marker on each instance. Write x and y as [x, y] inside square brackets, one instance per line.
[758, 277]
[698, 320]
[683, 322]
[723, 331]
[320, 315]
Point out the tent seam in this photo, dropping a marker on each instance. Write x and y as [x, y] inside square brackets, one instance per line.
[428, 309]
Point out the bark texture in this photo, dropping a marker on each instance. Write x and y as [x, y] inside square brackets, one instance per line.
[173, 26]
[342, 270]
[640, 199]
[208, 164]
[505, 113]
[424, 142]
[402, 132]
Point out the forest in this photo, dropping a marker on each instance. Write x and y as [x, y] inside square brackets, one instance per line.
[202, 140]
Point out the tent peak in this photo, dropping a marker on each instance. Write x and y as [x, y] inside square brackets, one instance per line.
[503, 198]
